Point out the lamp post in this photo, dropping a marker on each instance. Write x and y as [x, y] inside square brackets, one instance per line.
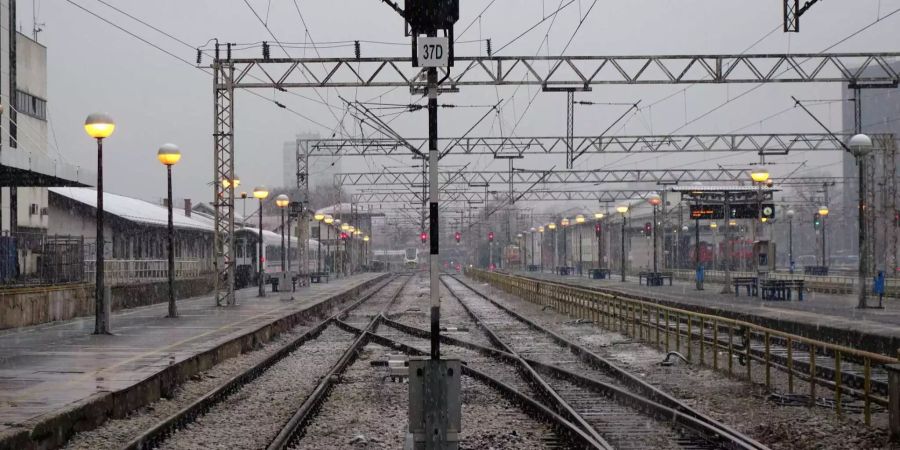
[579, 221]
[623, 209]
[533, 230]
[599, 217]
[715, 228]
[565, 243]
[541, 231]
[366, 250]
[654, 201]
[790, 216]
[328, 222]
[823, 212]
[345, 228]
[282, 201]
[552, 227]
[319, 217]
[759, 177]
[260, 193]
[244, 208]
[169, 155]
[100, 126]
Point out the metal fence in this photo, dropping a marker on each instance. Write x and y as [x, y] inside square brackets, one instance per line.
[131, 271]
[808, 363]
[29, 259]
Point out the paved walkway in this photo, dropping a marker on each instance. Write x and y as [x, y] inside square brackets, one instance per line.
[47, 367]
[837, 311]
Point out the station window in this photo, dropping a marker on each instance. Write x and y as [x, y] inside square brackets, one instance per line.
[31, 106]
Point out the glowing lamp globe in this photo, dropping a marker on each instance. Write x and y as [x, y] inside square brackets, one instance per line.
[99, 125]
[168, 154]
[282, 201]
[260, 192]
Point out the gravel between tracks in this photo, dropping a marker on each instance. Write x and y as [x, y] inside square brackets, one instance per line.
[250, 418]
[365, 412]
[730, 400]
[113, 434]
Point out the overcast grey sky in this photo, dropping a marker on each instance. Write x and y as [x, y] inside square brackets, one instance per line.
[155, 98]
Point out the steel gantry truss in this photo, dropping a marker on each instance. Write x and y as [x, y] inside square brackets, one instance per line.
[544, 71]
[567, 71]
[506, 147]
[390, 178]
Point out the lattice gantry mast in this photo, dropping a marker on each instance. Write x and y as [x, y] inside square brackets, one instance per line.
[223, 175]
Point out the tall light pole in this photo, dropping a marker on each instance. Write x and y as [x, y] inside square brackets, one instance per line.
[541, 231]
[244, 207]
[169, 155]
[598, 216]
[260, 193]
[623, 209]
[790, 216]
[861, 144]
[715, 228]
[100, 126]
[552, 227]
[579, 222]
[366, 251]
[282, 201]
[328, 221]
[533, 230]
[823, 212]
[319, 217]
[655, 201]
[565, 243]
[759, 177]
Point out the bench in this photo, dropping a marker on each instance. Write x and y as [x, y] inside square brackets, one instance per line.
[751, 283]
[533, 268]
[654, 278]
[815, 270]
[316, 277]
[565, 270]
[781, 289]
[600, 274]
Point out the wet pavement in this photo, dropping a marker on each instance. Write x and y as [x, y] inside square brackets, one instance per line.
[48, 367]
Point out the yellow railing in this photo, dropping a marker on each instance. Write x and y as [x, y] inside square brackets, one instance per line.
[711, 335]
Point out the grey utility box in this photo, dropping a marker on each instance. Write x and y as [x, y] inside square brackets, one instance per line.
[435, 414]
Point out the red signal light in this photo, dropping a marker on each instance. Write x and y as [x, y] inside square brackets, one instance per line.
[423, 237]
[458, 236]
[491, 236]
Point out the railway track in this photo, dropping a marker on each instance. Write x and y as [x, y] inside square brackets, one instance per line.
[793, 357]
[274, 375]
[623, 410]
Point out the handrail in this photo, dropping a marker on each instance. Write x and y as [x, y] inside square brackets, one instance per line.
[638, 317]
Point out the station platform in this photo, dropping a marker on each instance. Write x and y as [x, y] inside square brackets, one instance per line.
[55, 378]
[830, 317]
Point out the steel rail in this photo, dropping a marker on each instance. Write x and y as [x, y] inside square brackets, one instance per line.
[628, 379]
[153, 437]
[534, 378]
[624, 397]
[293, 429]
[623, 309]
[538, 410]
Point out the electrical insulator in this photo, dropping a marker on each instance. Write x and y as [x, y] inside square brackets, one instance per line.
[228, 51]
[199, 56]
[357, 50]
[265, 50]
[489, 52]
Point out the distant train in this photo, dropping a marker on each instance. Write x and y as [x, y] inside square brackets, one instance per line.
[512, 256]
[411, 258]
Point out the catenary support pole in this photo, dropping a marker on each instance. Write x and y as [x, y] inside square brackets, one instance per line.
[434, 242]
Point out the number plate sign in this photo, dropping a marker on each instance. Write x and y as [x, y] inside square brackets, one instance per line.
[433, 51]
